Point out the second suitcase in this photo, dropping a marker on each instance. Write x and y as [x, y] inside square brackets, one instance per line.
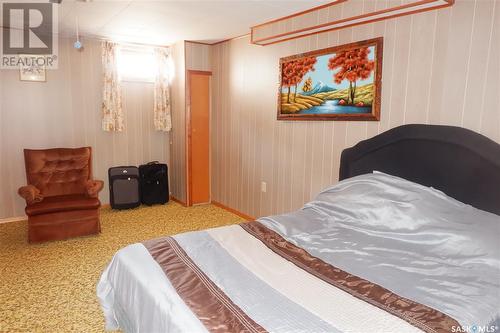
[154, 183]
[124, 187]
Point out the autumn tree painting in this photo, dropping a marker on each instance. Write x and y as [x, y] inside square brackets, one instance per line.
[354, 65]
[293, 72]
[340, 82]
[287, 77]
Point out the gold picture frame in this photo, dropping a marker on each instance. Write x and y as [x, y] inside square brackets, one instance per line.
[322, 84]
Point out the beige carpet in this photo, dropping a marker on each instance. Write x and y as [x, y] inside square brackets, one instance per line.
[50, 287]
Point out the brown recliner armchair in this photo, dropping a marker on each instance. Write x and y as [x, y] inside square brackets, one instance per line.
[61, 197]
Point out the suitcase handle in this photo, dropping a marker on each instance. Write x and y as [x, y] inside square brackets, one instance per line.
[125, 176]
[153, 162]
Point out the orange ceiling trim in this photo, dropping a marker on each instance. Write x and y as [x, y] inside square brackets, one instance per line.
[200, 43]
[227, 40]
[384, 14]
[216, 43]
[300, 13]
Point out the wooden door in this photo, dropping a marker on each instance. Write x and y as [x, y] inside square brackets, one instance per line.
[199, 137]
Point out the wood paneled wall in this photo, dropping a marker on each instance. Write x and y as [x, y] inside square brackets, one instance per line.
[65, 112]
[198, 57]
[178, 134]
[186, 56]
[440, 67]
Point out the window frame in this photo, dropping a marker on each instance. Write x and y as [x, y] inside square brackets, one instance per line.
[123, 50]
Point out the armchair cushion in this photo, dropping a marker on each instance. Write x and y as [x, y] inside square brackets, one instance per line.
[58, 171]
[93, 187]
[62, 203]
[30, 193]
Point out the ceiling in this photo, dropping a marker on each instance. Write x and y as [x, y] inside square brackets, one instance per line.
[164, 22]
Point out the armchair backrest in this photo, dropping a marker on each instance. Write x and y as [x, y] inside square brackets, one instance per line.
[58, 171]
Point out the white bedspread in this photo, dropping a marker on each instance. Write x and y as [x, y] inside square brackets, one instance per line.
[136, 296]
[412, 240]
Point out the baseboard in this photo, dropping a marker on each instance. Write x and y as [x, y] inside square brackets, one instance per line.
[178, 201]
[234, 211]
[215, 203]
[13, 219]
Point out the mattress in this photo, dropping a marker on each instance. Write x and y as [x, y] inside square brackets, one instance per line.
[374, 253]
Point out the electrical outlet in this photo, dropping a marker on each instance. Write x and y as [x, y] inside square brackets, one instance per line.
[263, 187]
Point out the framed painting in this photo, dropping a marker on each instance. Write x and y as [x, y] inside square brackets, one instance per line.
[337, 83]
[29, 70]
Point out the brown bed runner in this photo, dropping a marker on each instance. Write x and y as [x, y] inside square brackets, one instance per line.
[421, 316]
[212, 307]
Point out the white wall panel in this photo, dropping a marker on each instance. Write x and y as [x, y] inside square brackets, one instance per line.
[439, 67]
[65, 112]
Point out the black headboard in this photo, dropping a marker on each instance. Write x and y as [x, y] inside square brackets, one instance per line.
[463, 164]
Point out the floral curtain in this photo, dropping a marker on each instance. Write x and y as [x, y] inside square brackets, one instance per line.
[162, 119]
[112, 112]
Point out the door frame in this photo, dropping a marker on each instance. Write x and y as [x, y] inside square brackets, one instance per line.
[189, 171]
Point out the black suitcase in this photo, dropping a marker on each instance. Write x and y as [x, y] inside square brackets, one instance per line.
[124, 187]
[154, 183]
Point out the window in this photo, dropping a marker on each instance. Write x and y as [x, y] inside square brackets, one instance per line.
[137, 64]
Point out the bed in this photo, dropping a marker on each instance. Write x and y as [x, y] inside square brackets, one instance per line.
[407, 241]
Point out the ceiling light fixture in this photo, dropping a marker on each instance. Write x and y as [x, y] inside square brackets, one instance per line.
[77, 45]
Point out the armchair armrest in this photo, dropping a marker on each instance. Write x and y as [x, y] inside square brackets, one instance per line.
[93, 188]
[30, 193]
